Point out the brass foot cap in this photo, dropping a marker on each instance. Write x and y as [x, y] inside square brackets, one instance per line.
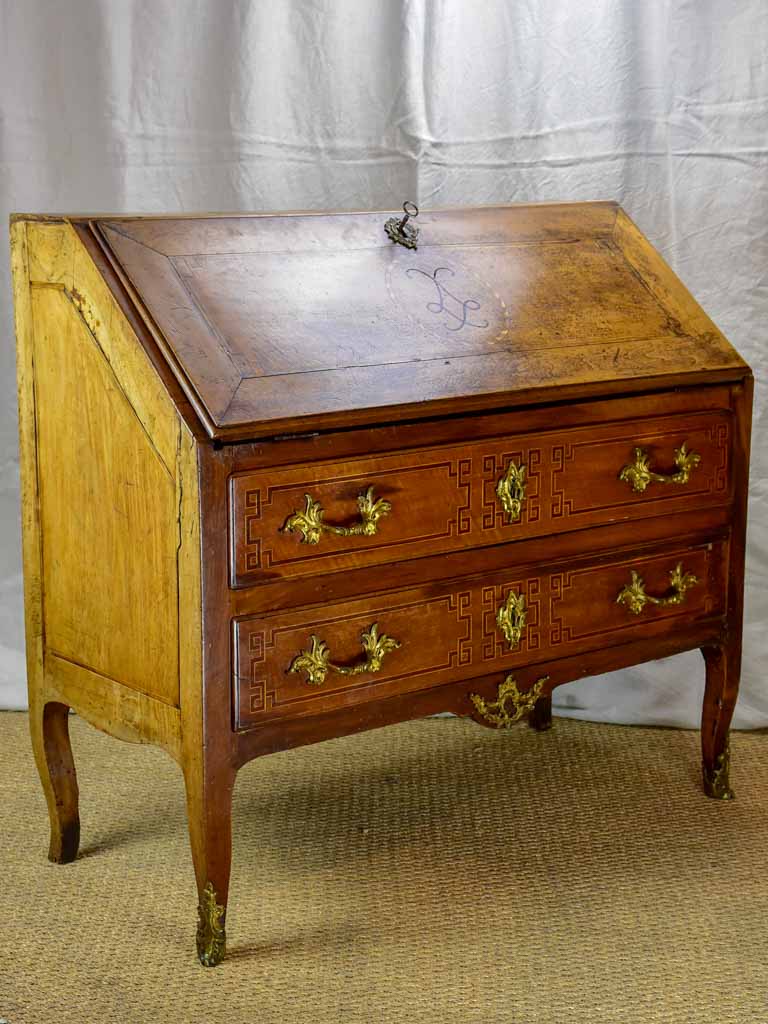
[716, 778]
[211, 936]
[212, 957]
[717, 789]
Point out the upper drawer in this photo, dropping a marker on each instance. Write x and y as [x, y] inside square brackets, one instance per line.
[328, 516]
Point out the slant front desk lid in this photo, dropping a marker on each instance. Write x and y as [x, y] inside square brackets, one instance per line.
[294, 322]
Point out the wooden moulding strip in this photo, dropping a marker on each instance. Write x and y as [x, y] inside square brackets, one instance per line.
[30, 512]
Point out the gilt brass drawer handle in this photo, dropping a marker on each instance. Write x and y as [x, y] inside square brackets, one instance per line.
[510, 490]
[638, 473]
[316, 661]
[633, 594]
[511, 617]
[498, 713]
[309, 521]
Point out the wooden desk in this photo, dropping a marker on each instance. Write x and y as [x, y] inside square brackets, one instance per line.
[285, 479]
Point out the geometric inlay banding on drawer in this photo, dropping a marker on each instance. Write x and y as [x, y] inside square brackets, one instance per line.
[444, 498]
[448, 631]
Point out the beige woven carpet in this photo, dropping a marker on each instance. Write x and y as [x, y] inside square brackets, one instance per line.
[429, 872]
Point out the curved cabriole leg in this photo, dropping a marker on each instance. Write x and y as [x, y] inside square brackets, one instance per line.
[540, 718]
[720, 693]
[209, 810]
[49, 727]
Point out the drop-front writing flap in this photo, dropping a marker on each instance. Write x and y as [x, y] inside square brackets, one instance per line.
[306, 321]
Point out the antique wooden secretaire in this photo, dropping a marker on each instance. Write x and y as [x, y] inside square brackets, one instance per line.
[289, 477]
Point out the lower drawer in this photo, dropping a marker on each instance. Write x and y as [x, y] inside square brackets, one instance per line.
[310, 660]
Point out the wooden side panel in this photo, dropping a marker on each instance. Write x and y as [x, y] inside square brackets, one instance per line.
[51, 249]
[118, 710]
[57, 257]
[110, 518]
[108, 511]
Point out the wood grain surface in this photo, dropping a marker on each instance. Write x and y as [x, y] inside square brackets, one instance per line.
[275, 323]
[108, 513]
[185, 382]
[450, 632]
[445, 498]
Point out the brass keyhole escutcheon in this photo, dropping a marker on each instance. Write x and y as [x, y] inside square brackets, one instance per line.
[510, 618]
[510, 490]
[510, 704]
[401, 231]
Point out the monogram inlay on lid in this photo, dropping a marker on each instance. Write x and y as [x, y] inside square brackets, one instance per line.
[308, 321]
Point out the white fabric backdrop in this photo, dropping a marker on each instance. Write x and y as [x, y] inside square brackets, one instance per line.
[174, 105]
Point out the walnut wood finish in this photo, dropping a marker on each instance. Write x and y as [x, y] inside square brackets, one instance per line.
[179, 393]
[450, 632]
[454, 697]
[273, 324]
[723, 661]
[444, 498]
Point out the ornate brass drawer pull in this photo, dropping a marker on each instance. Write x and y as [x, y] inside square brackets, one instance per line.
[638, 473]
[316, 661]
[510, 491]
[309, 521]
[497, 712]
[633, 594]
[511, 617]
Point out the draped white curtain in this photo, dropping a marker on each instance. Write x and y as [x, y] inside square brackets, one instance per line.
[189, 105]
